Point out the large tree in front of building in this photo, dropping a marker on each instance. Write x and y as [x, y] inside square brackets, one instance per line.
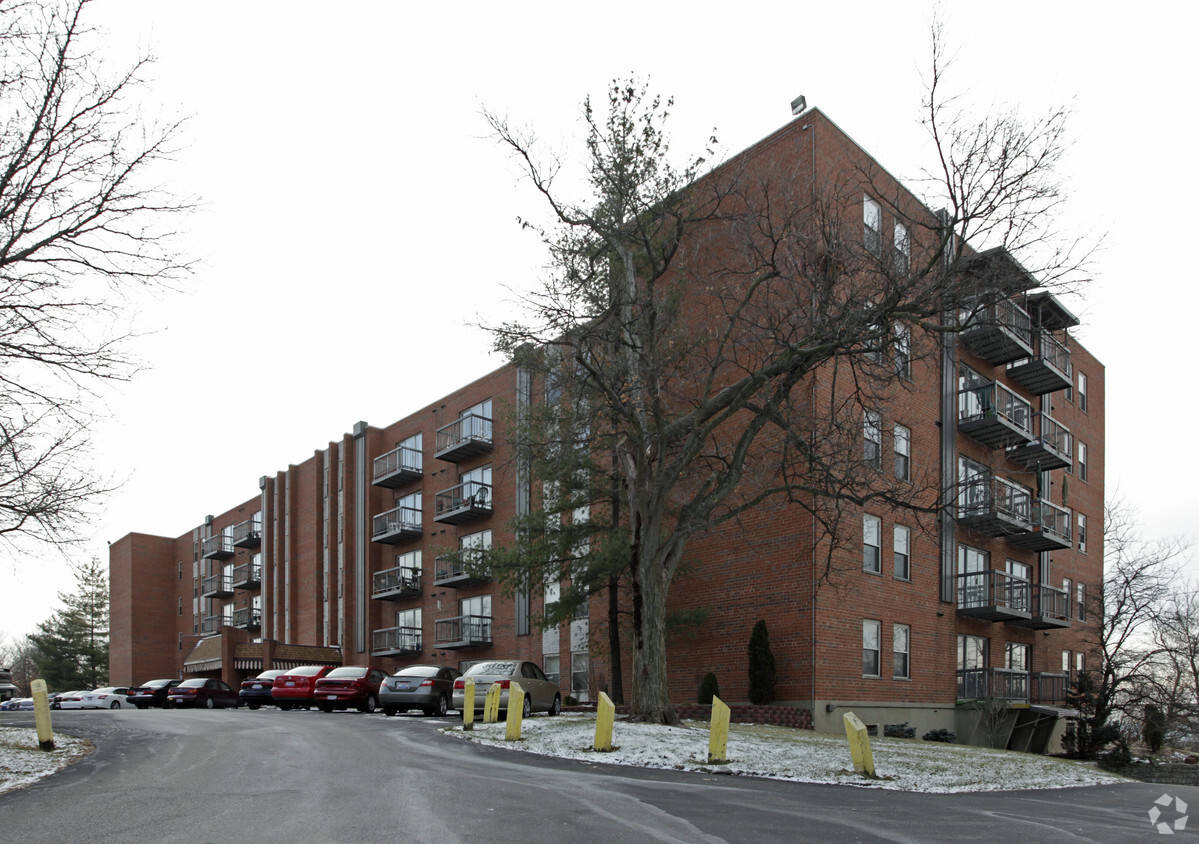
[72, 645]
[686, 314]
[82, 226]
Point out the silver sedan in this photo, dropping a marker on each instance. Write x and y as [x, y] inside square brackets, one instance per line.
[541, 693]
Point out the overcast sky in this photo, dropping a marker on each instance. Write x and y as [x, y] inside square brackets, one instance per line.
[356, 214]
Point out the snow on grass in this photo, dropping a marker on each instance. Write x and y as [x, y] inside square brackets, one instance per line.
[22, 763]
[800, 755]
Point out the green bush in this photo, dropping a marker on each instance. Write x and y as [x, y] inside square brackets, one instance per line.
[708, 688]
[762, 676]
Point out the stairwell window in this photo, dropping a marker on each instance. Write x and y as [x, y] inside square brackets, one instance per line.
[872, 219]
[871, 644]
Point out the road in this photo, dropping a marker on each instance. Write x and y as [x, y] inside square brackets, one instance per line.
[217, 776]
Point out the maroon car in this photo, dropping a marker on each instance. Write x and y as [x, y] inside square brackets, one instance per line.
[296, 686]
[350, 685]
[209, 694]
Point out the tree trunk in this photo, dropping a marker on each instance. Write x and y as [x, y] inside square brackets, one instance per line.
[651, 699]
[614, 655]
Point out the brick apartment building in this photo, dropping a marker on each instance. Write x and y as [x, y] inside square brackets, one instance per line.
[340, 558]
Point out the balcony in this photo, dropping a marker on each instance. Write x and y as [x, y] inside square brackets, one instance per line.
[395, 641]
[463, 631]
[993, 683]
[210, 624]
[994, 416]
[397, 525]
[1047, 370]
[1000, 333]
[994, 596]
[1053, 448]
[994, 506]
[216, 586]
[398, 467]
[397, 583]
[247, 618]
[456, 573]
[248, 534]
[217, 547]
[1050, 609]
[463, 438]
[1049, 529]
[248, 576]
[467, 502]
[1049, 688]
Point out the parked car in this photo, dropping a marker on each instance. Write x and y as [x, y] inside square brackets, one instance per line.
[208, 693]
[71, 700]
[541, 693]
[153, 693]
[108, 697]
[256, 691]
[18, 704]
[295, 687]
[427, 687]
[350, 685]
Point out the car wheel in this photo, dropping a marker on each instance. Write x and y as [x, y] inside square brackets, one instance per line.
[116, 704]
[370, 705]
[556, 706]
[390, 711]
[527, 710]
[326, 708]
[209, 703]
[286, 707]
[140, 705]
[443, 706]
[253, 706]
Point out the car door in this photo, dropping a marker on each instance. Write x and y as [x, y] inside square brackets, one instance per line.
[535, 686]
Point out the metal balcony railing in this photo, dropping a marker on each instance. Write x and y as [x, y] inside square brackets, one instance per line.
[399, 466]
[248, 533]
[466, 436]
[216, 547]
[994, 595]
[399, 582]
[396, 640]
[999, 334]
[1049, 529]
[463, 631]
[1049, 688]
[216, 586]
[993, 683]
[1047, 369]
[247, 618]
[994, 506]
[466, 502]
[247, 576]
[397, 524]
[1052, 448]
[994, 415]
[210, 624]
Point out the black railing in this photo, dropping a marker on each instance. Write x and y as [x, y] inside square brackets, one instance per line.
[396, 640]
[992, 684]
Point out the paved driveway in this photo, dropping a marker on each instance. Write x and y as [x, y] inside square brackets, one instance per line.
[216, 776]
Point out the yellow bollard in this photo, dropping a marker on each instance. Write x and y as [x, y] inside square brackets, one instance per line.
[718, 733]
[468, 704]
[859, 745]
[605, 714]
[491, 704]
[516, 711]
[41, 715]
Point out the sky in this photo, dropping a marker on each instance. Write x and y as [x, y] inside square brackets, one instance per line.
[357, 223]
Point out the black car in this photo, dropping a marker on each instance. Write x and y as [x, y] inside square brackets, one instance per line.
[256, 691]
[153, 693]
[426, 687]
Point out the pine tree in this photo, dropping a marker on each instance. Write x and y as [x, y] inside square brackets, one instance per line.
[762, 676]
[73, 643]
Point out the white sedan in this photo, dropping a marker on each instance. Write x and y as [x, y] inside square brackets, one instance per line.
[109, 697]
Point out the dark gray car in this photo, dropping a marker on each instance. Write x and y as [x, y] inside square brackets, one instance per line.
[426, 687]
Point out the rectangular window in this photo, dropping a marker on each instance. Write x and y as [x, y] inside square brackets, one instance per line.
[1066, 663]
[903, 250]
[871, 639]
[1082, 460]
[580, 675]
[903, 453]
[903, 553]
[972, 664]
[1079, 664]
[973, 564]
[1082, 533]
[1082, 391]
[903, 350]
[1081, 600]
[1016, 656]
[872, 544]
[552, 669]
[872, 219]
[872, 439]
[900, 649]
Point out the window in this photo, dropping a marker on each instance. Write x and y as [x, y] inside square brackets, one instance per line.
[1068, 590]
[972, 664]
[1079, 664]
[900, 650]
[478, 606]
[872, 218]
[1015, 656]
[973, 564]
[903, 553]
[903, 249]
[180, 606]
[552, 668]
[903, 350]
[472, 543]
[1018, 591]
[580, 672]
[903, 453]
[872, 544]
[1082, 391]
[1081, 600]
[871, 638]
[1082, 460]
[1066, 663]
[410, 620]
[872, 438]
[1082, 533]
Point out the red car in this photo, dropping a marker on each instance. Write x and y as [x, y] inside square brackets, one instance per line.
[350, 685]
[296, 686]
[209, 694]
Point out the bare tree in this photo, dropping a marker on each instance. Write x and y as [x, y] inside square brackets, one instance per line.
[81, 228]
[728, 332]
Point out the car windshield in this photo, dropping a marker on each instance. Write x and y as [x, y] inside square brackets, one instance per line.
[107, 690]
[270, 675]
[306, 670]
[156, 684]
[348, 671]
[417, 671]
[492, 668]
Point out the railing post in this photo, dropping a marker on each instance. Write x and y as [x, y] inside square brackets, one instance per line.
[718, 733]
[468, 704]
[516, 711]
[605, 714]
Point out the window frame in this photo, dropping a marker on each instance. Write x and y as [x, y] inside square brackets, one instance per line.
[898, 671]
[1082, 391]
[872, 628]
[905, 555]
[872, 235]
[867, 522]
[903, 457]
[872, 435]
[1082, 460]
[1082, 533]
[901, 243]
